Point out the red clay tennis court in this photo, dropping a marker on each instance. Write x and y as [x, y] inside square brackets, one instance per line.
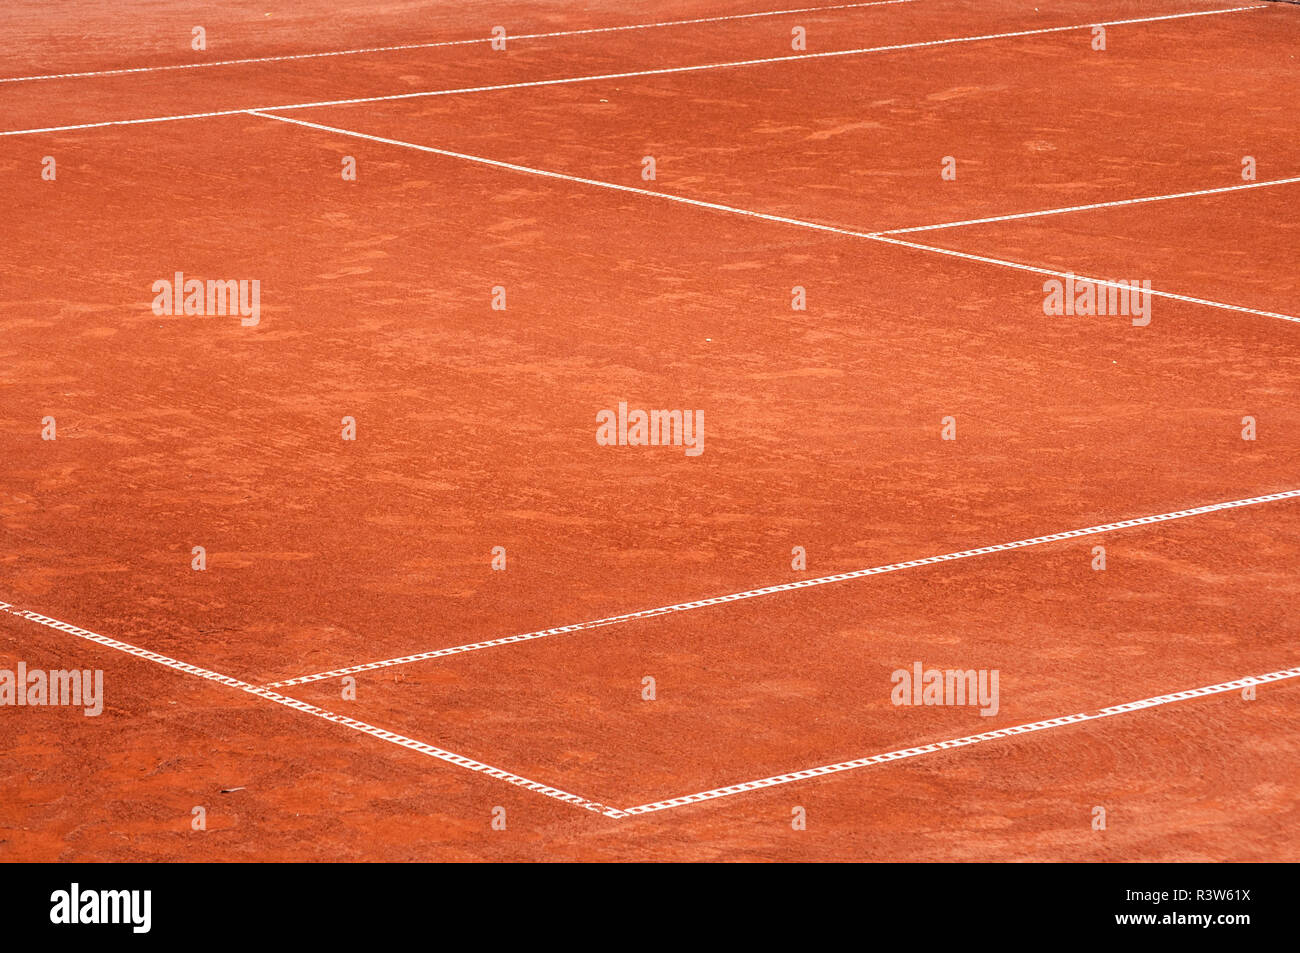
[367, 580]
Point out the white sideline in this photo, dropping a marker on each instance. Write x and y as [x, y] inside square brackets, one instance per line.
[783, 587]
[627, 75]
[440, 43]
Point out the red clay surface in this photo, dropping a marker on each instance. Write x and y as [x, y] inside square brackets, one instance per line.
[822, 430]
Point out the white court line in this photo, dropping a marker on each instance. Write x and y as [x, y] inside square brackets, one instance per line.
[628, 75]
[899, 755]
[614, 812]
[763, 216]
[383, 734]
[431, 45]
[1102, 282]
[785, 587]
[1085, 208]
[562, 176]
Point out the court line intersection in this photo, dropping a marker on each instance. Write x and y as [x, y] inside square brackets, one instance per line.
[609, 811]
[266, 692]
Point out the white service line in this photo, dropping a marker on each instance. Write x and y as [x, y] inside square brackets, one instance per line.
[431, 45]
[1086, 208]
[785, 587]
[823, 770]
[382, 733]
[627, 75]
[763, 216]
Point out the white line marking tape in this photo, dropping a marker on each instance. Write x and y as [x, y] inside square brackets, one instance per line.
[899, 755]
[628, 75]
[1085, 208]
[785, 587]
[383, 734]
[440, 43]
